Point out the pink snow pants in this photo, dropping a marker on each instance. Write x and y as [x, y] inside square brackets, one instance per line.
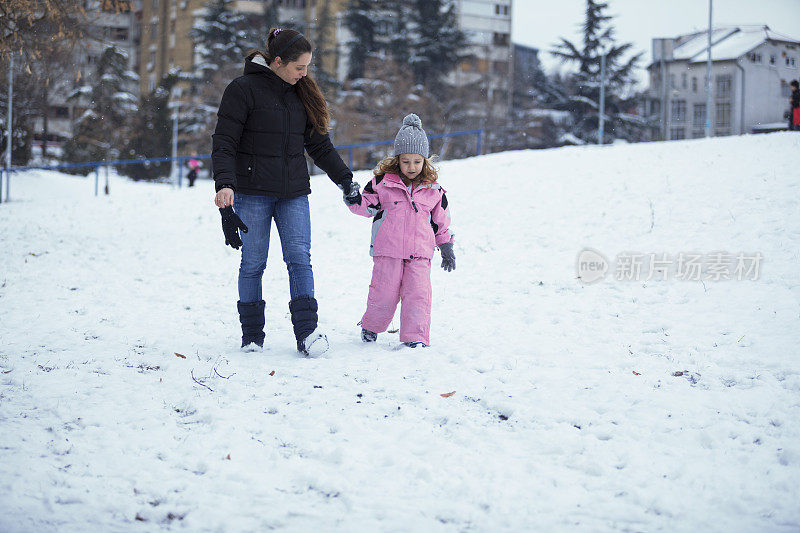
[404, 280]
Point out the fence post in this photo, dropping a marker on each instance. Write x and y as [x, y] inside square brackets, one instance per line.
[96, 179]
[2, 175]
[8, 185]
[350, 152]
[180, 172]
[480, 135]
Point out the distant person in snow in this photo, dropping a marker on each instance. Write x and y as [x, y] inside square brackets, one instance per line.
[410, 217]
[794, 102]
[267, 117]
[194, 164]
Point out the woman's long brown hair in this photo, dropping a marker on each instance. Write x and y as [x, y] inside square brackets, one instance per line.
[391, 165]
[307, 89]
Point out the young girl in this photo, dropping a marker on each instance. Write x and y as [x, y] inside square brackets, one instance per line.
[410, 216]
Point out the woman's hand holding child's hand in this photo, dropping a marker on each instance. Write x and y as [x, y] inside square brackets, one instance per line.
[351, 192]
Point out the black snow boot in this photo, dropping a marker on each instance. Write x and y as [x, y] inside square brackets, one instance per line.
[310, 342]
[251, 315]
[368, 336]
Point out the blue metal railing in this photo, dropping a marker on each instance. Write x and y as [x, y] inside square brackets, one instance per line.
[5, 174]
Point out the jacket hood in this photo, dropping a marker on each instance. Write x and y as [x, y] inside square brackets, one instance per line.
[257, 65]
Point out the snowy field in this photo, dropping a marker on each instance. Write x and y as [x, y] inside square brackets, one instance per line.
[624, 405]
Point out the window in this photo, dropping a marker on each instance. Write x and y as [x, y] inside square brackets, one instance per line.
[722, 115]
[59, 112]
[755, 57]
[790, 61]
[154, 31]
[699, 115]
[500, 39]
[119, 34]
[655, 107]
[683, 81]
[698, 134]
[672, 81]
[655, 78]
[724, 84]
[500, 67]
[772, 59]
[676, 134]
[679, 111]
[694, 84]
[500, 10]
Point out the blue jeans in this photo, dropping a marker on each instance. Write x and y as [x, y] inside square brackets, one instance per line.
[293, 220]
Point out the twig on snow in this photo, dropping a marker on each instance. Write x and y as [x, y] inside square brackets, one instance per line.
[199, 382]
[223, 377]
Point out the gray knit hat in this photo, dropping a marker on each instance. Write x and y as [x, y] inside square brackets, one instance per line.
[411, 138]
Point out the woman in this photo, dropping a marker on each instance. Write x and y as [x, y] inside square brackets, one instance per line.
[265, 120]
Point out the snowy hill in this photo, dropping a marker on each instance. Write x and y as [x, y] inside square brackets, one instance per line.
[661, 404]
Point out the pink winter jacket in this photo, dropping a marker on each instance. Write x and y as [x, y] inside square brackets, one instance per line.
[404, 225]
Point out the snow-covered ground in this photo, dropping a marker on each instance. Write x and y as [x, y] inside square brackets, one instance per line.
[650, 405]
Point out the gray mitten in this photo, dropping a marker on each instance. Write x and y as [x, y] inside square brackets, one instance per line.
[448, 257]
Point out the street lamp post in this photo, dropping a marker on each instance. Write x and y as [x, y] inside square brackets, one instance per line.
[174, 170]
[601, 119]
[708, 74]
[8, 128]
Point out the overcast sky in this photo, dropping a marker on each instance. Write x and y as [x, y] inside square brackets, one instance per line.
[540, 23]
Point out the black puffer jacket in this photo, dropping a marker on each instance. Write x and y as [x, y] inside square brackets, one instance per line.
[262, 128]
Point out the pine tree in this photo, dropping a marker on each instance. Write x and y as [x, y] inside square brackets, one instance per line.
[583, 102]
[151, 132]
[396, 27]
[358, 19]
[98, 134]
[223, 37]
[438, 43]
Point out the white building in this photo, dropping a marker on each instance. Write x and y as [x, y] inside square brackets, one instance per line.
[751, 70]
[111, 26]
[487, 25]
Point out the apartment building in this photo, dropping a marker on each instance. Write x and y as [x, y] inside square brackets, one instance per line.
[751, 70]
[487, 25]
[116, 26]
[165, 41]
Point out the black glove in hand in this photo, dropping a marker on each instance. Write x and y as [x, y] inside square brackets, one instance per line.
[448, 257]
[350, 191]
[231, 224]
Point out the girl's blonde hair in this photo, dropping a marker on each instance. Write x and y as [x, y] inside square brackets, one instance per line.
[391, 165]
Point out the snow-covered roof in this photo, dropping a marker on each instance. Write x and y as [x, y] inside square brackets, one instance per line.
[726, 43]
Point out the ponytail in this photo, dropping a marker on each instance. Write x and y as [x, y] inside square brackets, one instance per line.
[289, 45]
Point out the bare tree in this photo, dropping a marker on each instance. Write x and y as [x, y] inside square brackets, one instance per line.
[30, 27]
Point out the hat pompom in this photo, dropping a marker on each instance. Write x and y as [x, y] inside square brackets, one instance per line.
[412, 120]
